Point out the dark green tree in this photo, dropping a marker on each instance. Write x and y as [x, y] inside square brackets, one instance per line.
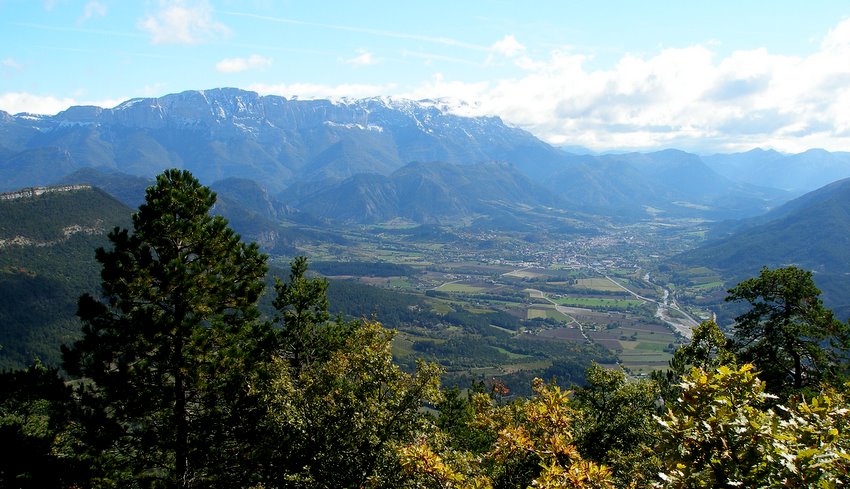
[708, 349]
[614, 423]
[793, 341]
[34, 413]
[306, 334]
[337, 405]
[163, 350]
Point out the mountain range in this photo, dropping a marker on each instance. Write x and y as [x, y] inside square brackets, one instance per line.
[357, 155]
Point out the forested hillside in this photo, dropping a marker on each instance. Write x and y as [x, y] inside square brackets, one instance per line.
[47, 245]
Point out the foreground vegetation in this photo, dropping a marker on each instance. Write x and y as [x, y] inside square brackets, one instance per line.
[179, 382]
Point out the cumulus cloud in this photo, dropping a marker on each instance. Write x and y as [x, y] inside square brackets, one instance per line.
[235, 65]
[687, 97]
[93, 8]
[182, 22]
[507, 46]
[363, 58]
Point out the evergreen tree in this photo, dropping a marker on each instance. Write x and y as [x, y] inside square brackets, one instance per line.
[614, 423]
[789, 336]
[34, 412]
[164, 348]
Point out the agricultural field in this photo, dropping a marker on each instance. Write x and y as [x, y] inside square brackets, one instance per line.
[599, 303]
[519, 310]
[602, 284]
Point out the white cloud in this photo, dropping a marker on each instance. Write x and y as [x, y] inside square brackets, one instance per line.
[93, 8]
[507, 46]
[363, 58]
[438, 87]
[11, 64]
[16, 102]
[183, 22]
[687, 97]
[235, 65]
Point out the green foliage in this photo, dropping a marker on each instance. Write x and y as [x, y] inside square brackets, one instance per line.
[176, 366]
[47, 216]
[163, 351]
[336, 423]
[722, 433]
[708, 350]
[302, 306]
[356, 300]
[614, 423]
[533, 445]
[363, 269]
[791, 338]
[718, 432]
[34, 412]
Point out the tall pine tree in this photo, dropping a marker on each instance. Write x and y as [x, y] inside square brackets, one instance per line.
[164, 349]
[789, 336]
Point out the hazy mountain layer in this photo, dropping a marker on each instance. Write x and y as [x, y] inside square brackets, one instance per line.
[810, 232]
[797, 173]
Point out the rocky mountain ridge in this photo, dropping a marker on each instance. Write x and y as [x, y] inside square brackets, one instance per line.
[32, 192]
[289, 145]
[223, 133]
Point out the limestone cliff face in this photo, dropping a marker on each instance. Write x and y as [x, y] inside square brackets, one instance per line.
[38, 191]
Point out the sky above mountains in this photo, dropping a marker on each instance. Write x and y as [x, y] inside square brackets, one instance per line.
[610, 75]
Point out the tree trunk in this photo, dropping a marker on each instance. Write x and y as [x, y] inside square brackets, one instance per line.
[181, 445]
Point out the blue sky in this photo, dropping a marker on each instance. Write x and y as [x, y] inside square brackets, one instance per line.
[608, 75]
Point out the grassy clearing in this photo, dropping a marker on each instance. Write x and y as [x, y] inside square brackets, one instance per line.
[602, 284]
[510, 354]
[400, 282]
[593, 302]
[697, 271]
[459, 287]
[651, 346]
[533, 365]
[524, 274]
[440, 307]
[710, 285]
[534, 313]
[402, 346]
[558, 316]
[504, 330]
